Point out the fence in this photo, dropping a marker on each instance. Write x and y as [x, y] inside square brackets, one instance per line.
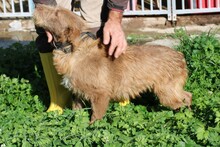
[170, 8]
[149, 7]
[16, 8]
[194, 7]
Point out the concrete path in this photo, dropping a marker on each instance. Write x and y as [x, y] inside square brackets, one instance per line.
[155, 28]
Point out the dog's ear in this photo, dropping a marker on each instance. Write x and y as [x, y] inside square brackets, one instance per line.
[68, 31]
[71, 33]
[71, 22]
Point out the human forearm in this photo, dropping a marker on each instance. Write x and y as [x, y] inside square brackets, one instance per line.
[116, 9]
[113, 33]
[115, 16]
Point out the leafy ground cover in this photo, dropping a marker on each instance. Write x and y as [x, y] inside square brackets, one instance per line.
[24, 99]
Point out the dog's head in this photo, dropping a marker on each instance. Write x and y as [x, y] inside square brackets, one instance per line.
[64, 25]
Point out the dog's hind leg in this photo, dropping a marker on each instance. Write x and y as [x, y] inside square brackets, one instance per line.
[187, 98]
[172, 95]
[77, 104]
[170, 99]
[99, 107]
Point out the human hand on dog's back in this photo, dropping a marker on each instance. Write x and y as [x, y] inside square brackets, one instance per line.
[113, 34]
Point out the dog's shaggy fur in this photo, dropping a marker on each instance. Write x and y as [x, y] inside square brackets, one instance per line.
[90, 72]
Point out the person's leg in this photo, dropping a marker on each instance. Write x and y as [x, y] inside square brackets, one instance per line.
[64, 3]
[60, 97]
[90, 11]
[95, 13]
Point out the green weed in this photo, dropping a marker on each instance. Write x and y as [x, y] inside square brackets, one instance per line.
[24, 122]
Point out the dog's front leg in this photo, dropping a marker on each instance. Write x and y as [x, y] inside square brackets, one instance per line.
[77, 104]
[99, 107]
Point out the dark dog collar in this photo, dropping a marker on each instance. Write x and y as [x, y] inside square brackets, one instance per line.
[84, 35]
[65, 47]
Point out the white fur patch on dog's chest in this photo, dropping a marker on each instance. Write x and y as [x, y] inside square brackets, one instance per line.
[66, 83]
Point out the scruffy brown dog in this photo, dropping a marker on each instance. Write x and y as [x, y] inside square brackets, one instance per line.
[88, 70]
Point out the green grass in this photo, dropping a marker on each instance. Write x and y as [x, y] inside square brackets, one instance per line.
[24, 99]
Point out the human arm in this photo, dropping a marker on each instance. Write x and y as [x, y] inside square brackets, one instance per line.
[113, 33]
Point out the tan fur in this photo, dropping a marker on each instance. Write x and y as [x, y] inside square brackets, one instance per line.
[99, 78]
